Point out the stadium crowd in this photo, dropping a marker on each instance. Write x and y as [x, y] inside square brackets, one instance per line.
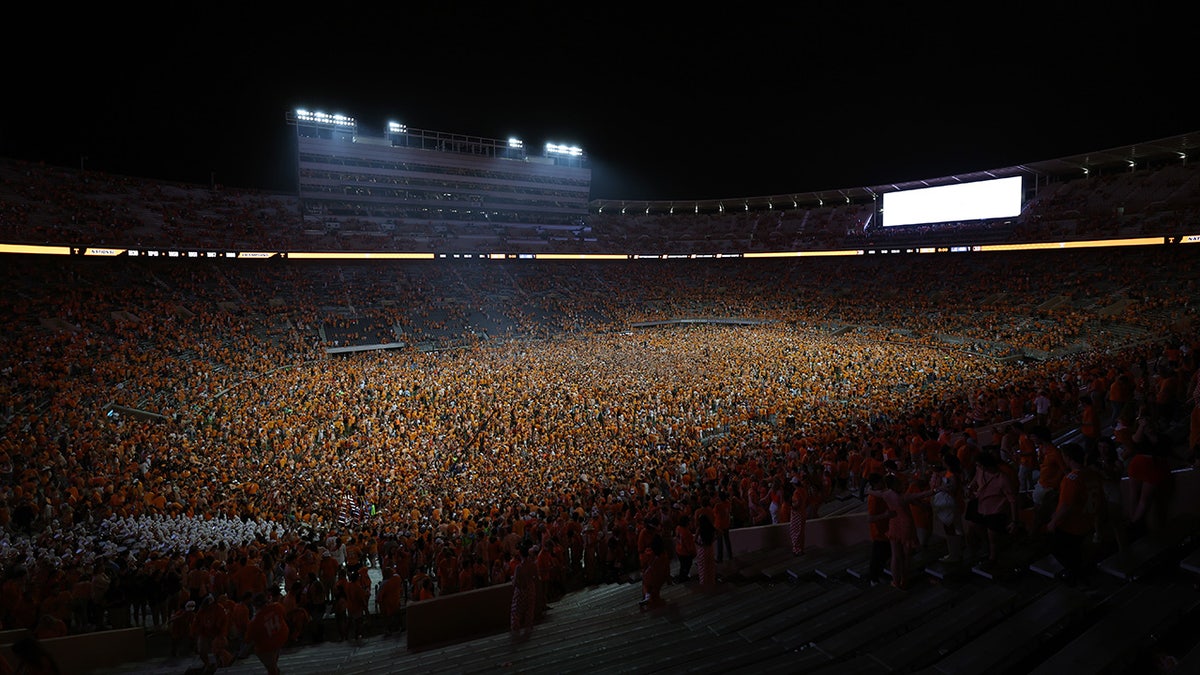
[249, 462]
[179, 449]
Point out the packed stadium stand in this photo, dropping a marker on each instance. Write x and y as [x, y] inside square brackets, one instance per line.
[730, 463]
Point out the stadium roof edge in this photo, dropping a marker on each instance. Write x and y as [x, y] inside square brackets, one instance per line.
[1160, 149]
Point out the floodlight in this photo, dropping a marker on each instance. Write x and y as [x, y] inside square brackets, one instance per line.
[317, 117]
[569, 150]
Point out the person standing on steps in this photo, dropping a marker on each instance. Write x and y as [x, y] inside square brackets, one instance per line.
[685, 547]
[524, 599]
[1079, 498]
[801, 498]
[722, 520]
[878, 516]
[706, 564]
[901, 533]
[948, 505]
[656, 568]
[267, 631]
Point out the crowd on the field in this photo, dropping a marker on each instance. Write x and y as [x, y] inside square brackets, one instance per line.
[270, 459]
[240, 460]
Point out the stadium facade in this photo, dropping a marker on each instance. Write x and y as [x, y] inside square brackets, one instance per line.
[455, 180]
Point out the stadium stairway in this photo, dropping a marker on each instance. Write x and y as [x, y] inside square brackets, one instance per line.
[773, 612]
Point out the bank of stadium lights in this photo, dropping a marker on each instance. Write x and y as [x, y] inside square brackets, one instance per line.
[397, 128]
[566, 150]
[516, 143]
[325, 118]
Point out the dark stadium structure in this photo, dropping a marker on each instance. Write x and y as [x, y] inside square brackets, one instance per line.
[440, 347]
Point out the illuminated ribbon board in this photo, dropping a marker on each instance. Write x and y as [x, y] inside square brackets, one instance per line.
[98, 251]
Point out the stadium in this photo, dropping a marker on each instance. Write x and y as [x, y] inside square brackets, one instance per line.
[440, 359]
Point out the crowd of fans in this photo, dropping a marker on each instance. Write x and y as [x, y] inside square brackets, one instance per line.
[237, 461]
[179, 450]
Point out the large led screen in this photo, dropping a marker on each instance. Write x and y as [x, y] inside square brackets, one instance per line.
[981, 200]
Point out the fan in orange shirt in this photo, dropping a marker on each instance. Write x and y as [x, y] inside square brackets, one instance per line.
[1075, 514]
[267, 631]
[921, 509]
[210, 628]
[390, 598]
[799, 495]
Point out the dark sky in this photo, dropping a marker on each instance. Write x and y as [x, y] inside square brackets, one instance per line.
[741, 100]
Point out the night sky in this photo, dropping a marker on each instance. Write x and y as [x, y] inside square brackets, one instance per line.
[702, 104]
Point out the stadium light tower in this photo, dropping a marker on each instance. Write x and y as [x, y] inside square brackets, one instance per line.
[570, 155]
[516, 148]
[397, 133]
[566, 150]
[325, 119]
[323, 125]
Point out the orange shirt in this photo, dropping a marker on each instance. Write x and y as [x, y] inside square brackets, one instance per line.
[1027, 451]
[1087, 422]
[921, 509]
[268, 629]
[239, 618]
[1077, 494]
[1147, 469]
[1120, 391]
[391, 595]
[1052, 468]
[854, 462]
[872, 465]
[211, 621]
[356, 599]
